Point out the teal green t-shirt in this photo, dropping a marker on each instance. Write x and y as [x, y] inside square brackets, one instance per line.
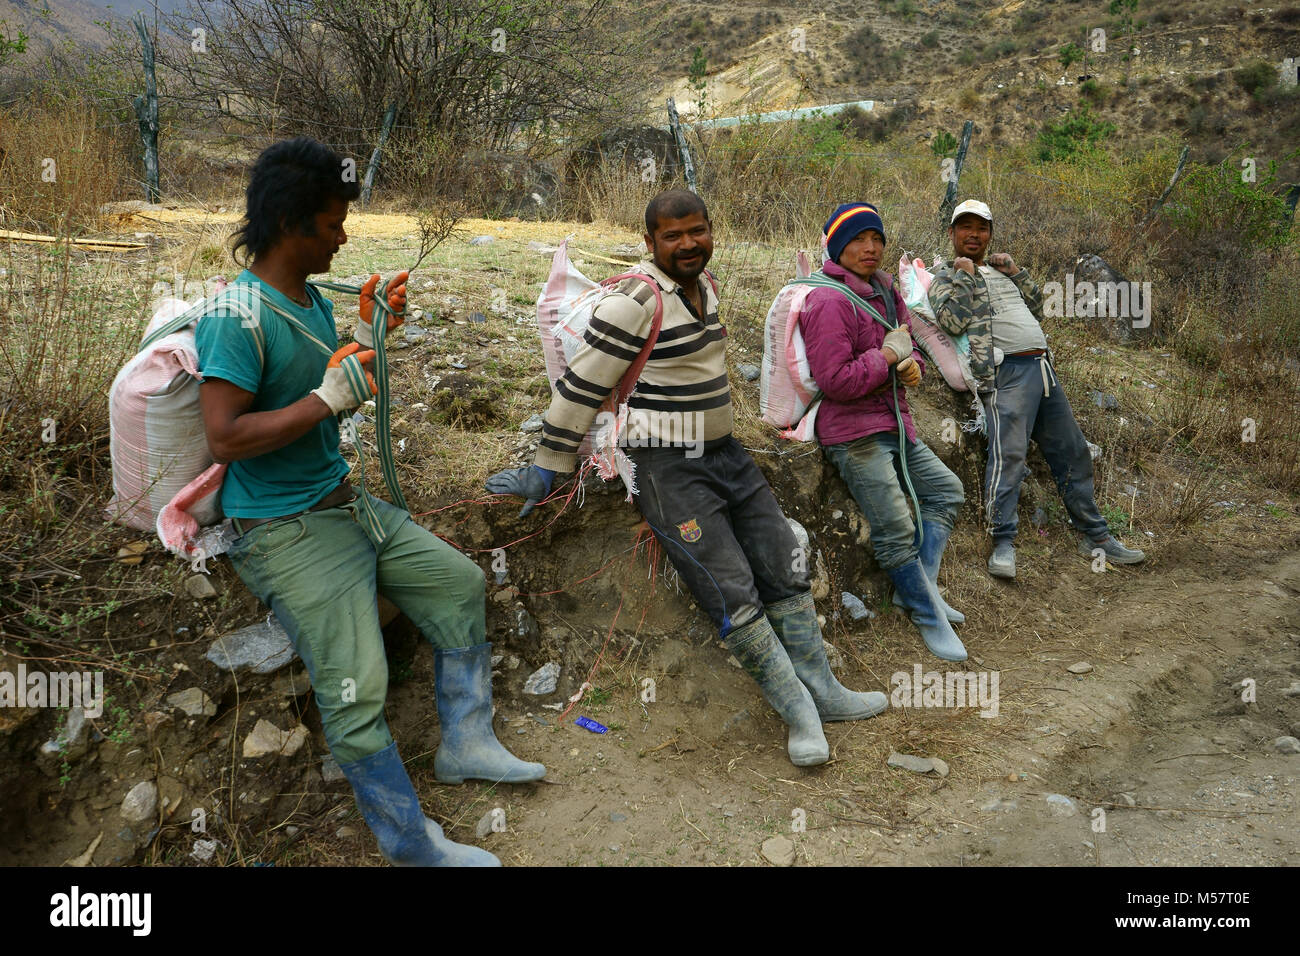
[260, 352]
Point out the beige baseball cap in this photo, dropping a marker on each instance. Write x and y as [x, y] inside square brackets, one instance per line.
[972, 206]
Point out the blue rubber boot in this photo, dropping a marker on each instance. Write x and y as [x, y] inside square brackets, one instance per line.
[469, 749]
[764, 659]
[795, 623]
[934, 540]
[923, 598]
[391, 809]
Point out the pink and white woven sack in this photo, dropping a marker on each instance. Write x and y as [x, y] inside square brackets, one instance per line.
[788, 397]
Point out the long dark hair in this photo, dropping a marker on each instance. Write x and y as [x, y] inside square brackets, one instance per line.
[291, 181]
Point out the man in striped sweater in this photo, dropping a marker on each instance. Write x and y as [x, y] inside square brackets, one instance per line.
[697, 487]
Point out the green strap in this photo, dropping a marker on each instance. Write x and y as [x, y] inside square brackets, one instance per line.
[822, 281]
[383, 405]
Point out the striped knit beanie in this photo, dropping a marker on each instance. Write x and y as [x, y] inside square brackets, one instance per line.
[846, 222]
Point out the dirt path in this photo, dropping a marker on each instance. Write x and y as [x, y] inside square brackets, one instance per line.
[1156, 736]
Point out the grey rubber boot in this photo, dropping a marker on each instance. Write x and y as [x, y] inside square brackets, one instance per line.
[463, 685]
[1002, 563]
[387, 801]
[932, 547]
[795, 623]
[756, 646]
[1116, 553]
[923, 597]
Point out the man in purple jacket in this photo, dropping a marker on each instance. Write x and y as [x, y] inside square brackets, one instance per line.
[862, 357]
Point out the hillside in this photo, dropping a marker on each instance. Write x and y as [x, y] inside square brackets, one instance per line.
[929, 66]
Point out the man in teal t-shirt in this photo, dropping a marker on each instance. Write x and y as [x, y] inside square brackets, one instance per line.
[274, 383]
[278, 365]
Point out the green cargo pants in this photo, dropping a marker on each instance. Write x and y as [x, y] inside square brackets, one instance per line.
[320, 573]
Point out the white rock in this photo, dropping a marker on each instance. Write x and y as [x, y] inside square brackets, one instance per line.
[267, 738]
[140, 805]
[779, 851]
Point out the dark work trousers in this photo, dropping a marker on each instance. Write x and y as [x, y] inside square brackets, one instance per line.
[721, 527]
[1028, 402]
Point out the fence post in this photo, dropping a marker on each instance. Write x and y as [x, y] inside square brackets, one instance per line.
[146, 111]
[1173, 181]
[373, 168]
[1291, 200]
[688, 167]
[950, 194]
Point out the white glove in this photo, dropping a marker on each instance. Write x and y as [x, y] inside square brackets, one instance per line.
[899, 342]
[347, 383]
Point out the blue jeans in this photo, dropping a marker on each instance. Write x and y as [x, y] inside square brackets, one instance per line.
[1028, 402]
[872, 469]
[321, 573]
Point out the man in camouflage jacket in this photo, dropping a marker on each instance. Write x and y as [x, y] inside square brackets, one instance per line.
[1000, 309]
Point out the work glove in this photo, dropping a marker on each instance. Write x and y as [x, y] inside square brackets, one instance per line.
[395, 290]
[347, 383]
[899, 342]
[909, 373]
[531, 483]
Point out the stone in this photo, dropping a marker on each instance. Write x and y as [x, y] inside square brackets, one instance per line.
[533, 423]
[268, 739]
[779, 851]
[482, 240]
[476, 318]
[527, 633]
[414, 334]
[1104, 399]
[262, 648]
[193, 702]
[912, 762]
[1287, 745]
[140, 805]
[617, 817]
[329, 769]
[1292, 691]
[85, 858]
[543, 680]
[939, 766]
[199, 587]
[484, 825]
[73, 740]
[854, 606]
[133, 553]
[1082, 667]
[833, 656]
[291, 683]
[203, 850]
[1060, 805]
[750, 372]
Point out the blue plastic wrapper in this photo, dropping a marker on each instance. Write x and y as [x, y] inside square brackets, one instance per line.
[586, 723]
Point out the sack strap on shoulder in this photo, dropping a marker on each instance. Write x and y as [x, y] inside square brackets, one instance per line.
[628, 382]
[823, 281]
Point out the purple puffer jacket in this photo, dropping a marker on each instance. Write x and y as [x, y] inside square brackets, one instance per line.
[843, 344]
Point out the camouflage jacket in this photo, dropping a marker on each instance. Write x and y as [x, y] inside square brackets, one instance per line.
[961, 304]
